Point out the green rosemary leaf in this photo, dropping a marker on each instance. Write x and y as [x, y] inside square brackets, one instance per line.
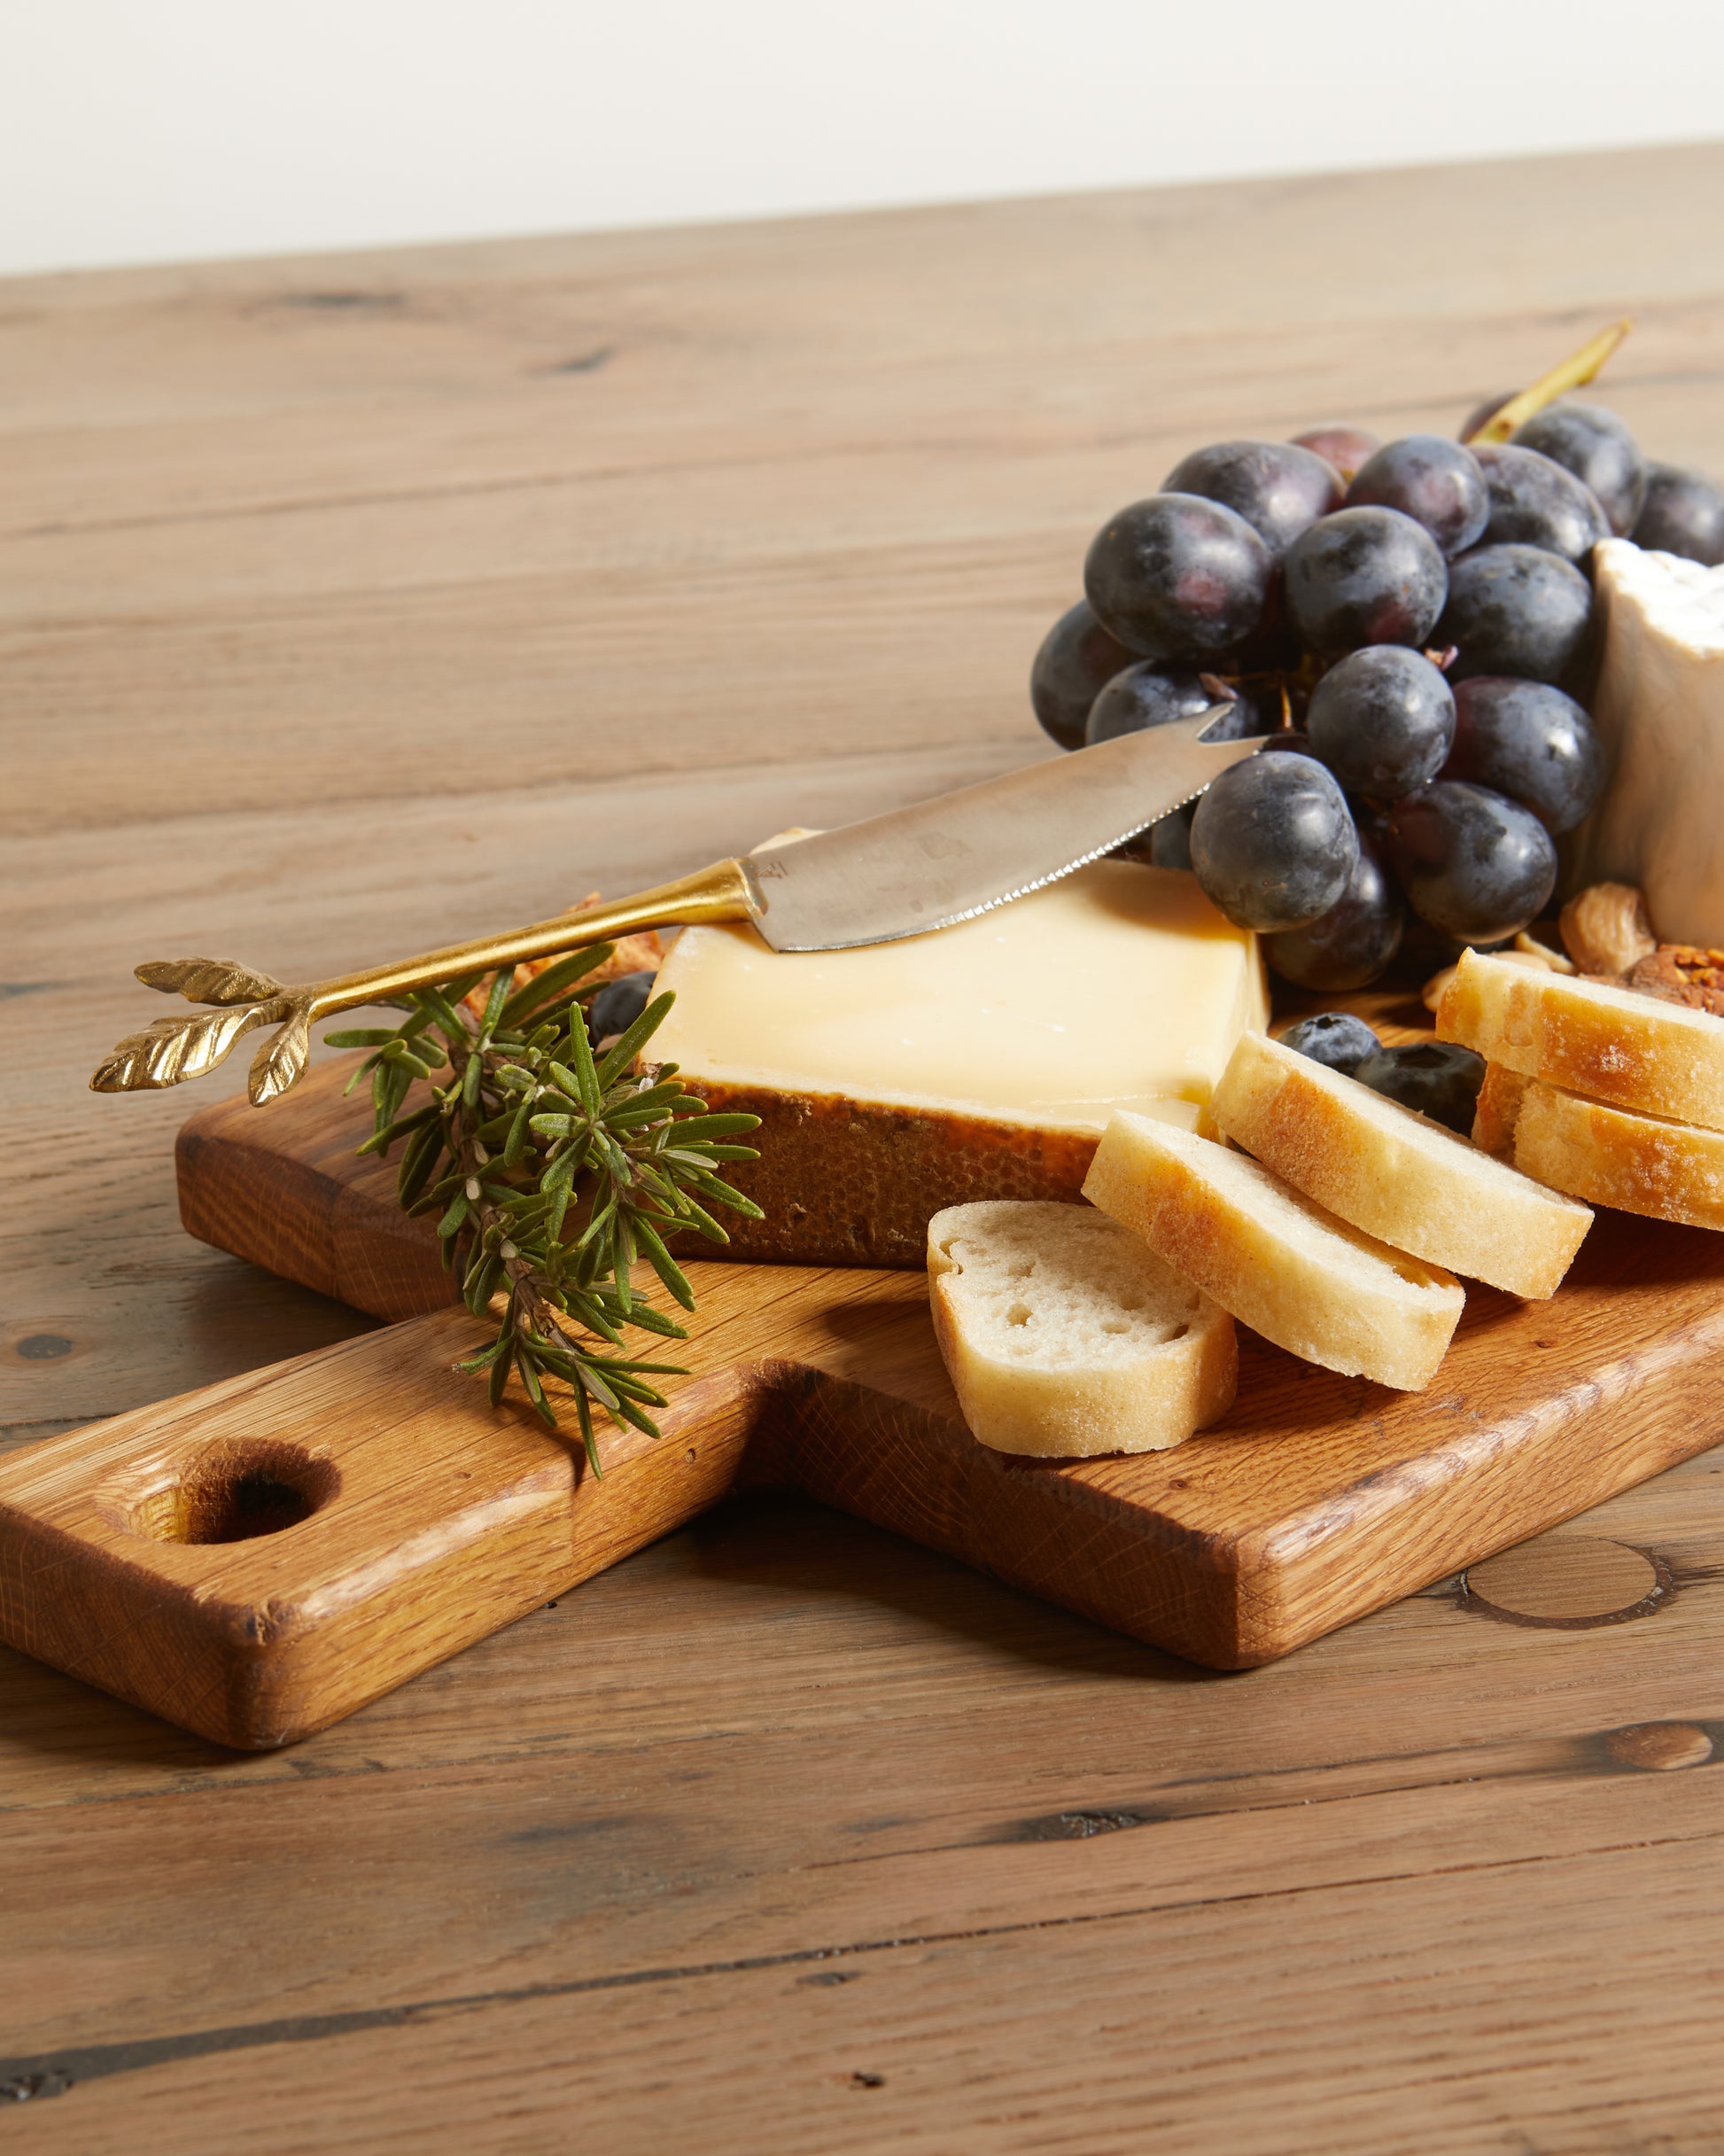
[470, 1082]
[417, 1165]
[624, 1052]
[361, 1037]
[525, 1364]
[514, 1148]
[493, 1008]
[450, 1224]
[721, 1193]
[481, 1283]
[585, 1414]
[554, 980]
[689, 1128]
[484, 1358]
[499, 1368]
[662, 1264]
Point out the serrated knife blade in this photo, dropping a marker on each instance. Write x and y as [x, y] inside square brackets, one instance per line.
[924, 867]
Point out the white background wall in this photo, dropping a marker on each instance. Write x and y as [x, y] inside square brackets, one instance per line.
[136, 130]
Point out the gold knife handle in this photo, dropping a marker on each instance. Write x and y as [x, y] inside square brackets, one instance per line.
[721, 892]
[174, 1050]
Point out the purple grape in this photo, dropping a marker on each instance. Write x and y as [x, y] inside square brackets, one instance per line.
[1272, 842]
[1364, 576]
[1684, 514]
[1534, 503]
[1599, 450]
[1437, 483]
[1351, 945]
[1529, 740]
[1343, 447]
[1517, 610]
[1383, 720]
[1170, 838]
[1279, 488]
[1475, 865]
[1176, 573]
[1335, 1039]
[1151, 694]
[1077, 658]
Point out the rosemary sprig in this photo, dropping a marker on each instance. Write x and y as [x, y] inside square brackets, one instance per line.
[552, 1171]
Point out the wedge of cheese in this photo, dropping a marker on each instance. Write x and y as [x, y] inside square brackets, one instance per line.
[982, 1062]
[1659, 707]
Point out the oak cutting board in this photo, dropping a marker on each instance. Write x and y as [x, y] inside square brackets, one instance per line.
[258, 1559]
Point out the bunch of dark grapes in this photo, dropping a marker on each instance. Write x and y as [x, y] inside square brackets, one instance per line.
[1413, 620]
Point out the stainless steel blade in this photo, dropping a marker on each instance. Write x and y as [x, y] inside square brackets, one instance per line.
[956, 856]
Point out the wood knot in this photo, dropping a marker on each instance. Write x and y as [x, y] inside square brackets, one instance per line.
[1567, 1582]
[1660, 1746]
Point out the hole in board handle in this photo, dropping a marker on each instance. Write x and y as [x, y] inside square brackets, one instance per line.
[234, 1494]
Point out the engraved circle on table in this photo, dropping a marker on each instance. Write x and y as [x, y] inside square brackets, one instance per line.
[1563, 1582]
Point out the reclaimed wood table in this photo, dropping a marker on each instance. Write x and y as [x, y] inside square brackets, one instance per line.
[350, 605]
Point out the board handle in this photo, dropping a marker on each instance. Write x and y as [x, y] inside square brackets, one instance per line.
[174, 1050]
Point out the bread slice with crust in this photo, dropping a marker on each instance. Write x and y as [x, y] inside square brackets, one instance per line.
[1611, 1156]
[1394, 1173]
[1496, 1109]
[1589, 1037]
[1066, 1337]
[1281, 1264]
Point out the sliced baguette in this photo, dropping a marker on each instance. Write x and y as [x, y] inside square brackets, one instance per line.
[1066, 1337]
[1497, 1106]
[1397, 1175]
[1293, 1272]
[1611, 1156]
[1589, 1037]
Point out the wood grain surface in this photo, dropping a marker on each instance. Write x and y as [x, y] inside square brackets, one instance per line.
[257, 1560]
[347, 606]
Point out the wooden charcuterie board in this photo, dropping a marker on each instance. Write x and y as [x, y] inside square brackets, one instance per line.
[255, 1560]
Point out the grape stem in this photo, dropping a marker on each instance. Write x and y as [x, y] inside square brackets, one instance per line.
[1578, 368]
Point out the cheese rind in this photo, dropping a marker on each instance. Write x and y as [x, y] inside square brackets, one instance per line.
[982, 1062]
[1659, 710]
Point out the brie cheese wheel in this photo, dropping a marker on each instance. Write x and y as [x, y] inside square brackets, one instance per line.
[1659, 709]
[981, 1062]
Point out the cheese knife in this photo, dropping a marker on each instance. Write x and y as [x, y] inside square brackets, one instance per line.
[907, 873]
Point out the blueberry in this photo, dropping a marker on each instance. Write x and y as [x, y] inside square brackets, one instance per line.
[1335, 1039]
[1176, 573]
[1364, 576]
[1279, 488]
[1273, 843]
[1518, 610]
[1435, 1077]
[1077, 659]
[1435, 481]
[1352, 944]
[1599, 450]
[1535, 502]
[618, 1004]
[1382, 720]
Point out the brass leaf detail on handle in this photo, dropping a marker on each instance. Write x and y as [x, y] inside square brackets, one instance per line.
[207, 980]
[174, 1050]
[279, 1062]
